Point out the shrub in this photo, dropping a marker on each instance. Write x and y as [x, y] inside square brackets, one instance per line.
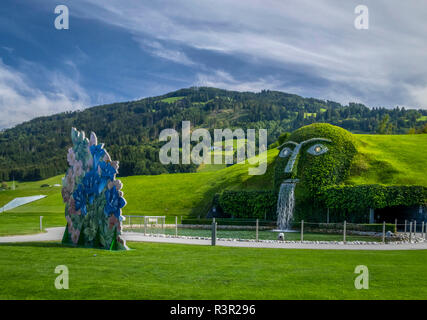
[229, 222]
[248, 204]
[339, 227]
[361, 197]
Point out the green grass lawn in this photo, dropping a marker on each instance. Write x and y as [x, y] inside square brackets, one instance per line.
[172, 99]
[392, 159]
[26, 219]
[29, 222]
[309, 114]
[167, 271]
[168, 194]
[250, 234]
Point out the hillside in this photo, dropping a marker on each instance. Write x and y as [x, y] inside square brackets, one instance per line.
[384, 159]
[37, 149]
[181, 194]
[391, 159]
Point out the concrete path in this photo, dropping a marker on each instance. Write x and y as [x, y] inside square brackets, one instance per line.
[52, 234]
[139, 237]
[55, 234]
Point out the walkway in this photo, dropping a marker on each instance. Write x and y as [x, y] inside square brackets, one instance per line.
[52, 234]
[139, 237]
[55, 234]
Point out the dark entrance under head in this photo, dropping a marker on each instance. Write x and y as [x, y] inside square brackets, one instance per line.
[401, 213]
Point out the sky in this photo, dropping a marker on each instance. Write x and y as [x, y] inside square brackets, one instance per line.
[125, 50]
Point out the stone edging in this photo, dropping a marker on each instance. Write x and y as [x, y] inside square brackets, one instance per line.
[418, 240]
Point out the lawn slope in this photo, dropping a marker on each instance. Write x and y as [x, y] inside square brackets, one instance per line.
[391, 159]
[180, 194]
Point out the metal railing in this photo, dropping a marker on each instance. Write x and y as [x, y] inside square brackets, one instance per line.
[261, 230]
[145, 224]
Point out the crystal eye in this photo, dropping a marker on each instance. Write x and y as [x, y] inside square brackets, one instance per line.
[285, 152]
[317, 149]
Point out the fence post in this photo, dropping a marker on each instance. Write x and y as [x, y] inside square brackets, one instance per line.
[425, 230]
[257, 225]
[383, 231]
[145, 225]
[327, 217]
[302, 230]
[176, 226]
[344, 231]
[371, 215]
[213, 238]
[181, 219]
[395, 225]
[415, 229]
[405, 227]
[422, 231]
[41, 223]
[163, 224]
[410, 231]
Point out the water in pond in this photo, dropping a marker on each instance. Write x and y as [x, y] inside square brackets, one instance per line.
[285, 205]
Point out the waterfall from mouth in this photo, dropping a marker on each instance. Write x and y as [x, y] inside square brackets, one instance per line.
[285, 205]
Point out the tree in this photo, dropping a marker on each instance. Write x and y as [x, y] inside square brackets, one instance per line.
[385, 126]
[423, 129]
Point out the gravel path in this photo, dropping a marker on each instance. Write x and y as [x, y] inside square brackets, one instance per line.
[51, 235]
[139, 237]
[55, 234]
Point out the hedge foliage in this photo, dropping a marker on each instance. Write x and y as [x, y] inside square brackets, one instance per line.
[248, 204]
[229, 222]
[374, 196]
[316, 172]
[349, 203]
[350, 227]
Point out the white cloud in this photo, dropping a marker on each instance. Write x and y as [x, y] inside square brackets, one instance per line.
[20, 100]
[157, 49]
[318, 37]
[224, 80]
[419, 95]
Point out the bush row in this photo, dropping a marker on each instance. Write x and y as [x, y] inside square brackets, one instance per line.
[361, 197]
[339, 227]
[229, 222]
[248, 204]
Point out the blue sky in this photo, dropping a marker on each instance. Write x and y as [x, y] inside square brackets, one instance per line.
[125, 50]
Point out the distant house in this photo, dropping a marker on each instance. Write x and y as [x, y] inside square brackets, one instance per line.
[216, 148]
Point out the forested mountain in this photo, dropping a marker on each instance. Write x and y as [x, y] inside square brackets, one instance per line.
[37, 149]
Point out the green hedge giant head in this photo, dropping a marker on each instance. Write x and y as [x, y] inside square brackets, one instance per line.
[318, 155]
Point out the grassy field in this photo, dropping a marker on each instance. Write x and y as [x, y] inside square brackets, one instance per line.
[166, 271]
[172, 99]
[169, 194]
[392, 159]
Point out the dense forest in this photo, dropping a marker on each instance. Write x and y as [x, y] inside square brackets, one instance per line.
[37, 149]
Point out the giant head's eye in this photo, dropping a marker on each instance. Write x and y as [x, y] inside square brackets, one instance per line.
[285, 153]
[317, 149]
